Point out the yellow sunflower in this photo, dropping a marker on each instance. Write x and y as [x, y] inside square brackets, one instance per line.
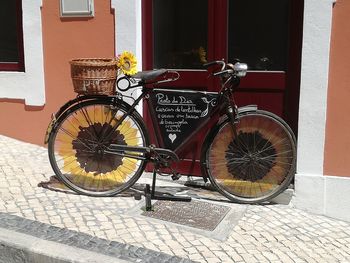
[81, 165]
[226, 158]
[202, 55]
[127, 63]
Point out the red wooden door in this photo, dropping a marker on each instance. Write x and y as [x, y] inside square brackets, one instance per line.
[182, 35]
[267, 35]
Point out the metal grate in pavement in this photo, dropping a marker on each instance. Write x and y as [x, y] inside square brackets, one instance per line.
[197, 214]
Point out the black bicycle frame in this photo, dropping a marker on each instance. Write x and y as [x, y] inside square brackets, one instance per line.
[218, 105]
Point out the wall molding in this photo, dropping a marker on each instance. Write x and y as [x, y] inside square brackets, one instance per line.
[321, 194]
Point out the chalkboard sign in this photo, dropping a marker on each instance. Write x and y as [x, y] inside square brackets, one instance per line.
[180, 112]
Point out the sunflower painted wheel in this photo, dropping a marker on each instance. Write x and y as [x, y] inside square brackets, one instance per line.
[256, 162]
[78, 148]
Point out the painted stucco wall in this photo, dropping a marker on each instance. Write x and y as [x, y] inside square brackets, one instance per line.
[63, 40]
[337, 144]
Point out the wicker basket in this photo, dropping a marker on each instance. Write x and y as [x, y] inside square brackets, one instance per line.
[94, 76]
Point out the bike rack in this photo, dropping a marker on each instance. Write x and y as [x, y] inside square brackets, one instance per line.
[150, 194]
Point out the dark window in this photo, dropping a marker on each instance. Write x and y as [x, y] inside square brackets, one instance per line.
[11, 43]
[258, 33]
[180, 30]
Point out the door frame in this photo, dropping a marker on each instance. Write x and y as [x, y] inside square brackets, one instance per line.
[283, 84]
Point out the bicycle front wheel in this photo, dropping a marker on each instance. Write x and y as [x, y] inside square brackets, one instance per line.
[253, 161]
[78, 143]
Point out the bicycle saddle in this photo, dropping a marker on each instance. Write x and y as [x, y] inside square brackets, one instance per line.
[149, 75]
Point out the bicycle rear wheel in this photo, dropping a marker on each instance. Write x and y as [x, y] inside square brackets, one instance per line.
[78, 143]
[256, 162]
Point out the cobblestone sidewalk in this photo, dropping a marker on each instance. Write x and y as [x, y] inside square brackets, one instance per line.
[270, 233]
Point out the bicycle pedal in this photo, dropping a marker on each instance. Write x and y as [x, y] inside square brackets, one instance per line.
[175, 177]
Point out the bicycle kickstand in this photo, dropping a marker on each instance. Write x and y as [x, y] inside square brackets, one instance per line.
[150, 194]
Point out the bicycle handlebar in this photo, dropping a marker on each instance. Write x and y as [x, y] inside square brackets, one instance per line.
[216, 62]
[238, 69]
[223, 72]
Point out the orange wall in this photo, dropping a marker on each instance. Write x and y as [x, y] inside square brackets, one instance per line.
[63, 40]
[337, 144]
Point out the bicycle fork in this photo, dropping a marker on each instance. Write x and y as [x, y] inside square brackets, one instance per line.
[232, 113]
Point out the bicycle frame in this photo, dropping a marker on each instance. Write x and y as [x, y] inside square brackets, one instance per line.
[184, 103]
[218, 107]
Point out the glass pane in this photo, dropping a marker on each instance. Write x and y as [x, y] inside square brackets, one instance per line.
[8, 31]
[180, 33]
[258, 33]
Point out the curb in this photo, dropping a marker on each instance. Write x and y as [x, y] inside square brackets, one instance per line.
[17, 247]
[25, 240]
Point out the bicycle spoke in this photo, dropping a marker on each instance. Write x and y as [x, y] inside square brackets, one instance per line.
[275, 144]
[74, 137]
[108, 124]
[82, 125]
[69, 164]
[65, 158]
[88, 120]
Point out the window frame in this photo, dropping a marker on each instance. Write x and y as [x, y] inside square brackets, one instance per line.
[17, 66]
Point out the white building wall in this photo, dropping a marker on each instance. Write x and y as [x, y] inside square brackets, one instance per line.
[314, 84]
[28, 85]
[128, 27]
[314, 191]
[128, 36]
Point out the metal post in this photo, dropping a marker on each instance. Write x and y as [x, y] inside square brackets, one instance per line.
[148, 198]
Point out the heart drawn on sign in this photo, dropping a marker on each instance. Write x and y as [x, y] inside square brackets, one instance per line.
[172, 137]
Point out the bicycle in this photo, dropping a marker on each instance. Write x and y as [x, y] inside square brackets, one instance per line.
[99, 145]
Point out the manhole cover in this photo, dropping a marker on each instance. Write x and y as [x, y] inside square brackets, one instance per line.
[202, 215]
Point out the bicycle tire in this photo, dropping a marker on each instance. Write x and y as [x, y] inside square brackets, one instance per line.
[76, 148]
[256, 163]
